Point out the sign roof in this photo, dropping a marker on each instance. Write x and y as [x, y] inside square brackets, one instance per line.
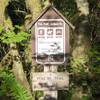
[45, 10]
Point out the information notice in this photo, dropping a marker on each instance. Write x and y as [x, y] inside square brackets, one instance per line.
[50, 81]
[50, 41]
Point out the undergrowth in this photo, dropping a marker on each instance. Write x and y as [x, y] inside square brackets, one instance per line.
[9, 85]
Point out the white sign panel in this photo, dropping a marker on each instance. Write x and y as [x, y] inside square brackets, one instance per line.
[50, 81]
[50, 41]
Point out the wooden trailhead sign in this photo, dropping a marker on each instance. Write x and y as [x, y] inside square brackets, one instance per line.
[50, 47]
[50, 43]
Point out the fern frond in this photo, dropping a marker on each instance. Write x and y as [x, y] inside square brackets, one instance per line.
[17, 91]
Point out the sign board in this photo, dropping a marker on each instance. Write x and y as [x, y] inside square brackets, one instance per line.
[50, 37]
[50, 81]
[50, 41]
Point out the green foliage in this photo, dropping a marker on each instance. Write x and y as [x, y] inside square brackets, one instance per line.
[95, 86]
[10, 36]
[85, 98]
[11, 86]
[64, 95]
[38, 94]
[95, 58]
[67, 7]
[79, 65]
[1, 28]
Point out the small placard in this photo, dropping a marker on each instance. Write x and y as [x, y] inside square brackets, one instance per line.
[50, 41]
[50, 81]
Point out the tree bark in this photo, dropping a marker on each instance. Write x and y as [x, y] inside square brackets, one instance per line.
[81, 46]
[3, 4]
[18, 68]
[83, 6]
[80, 40]
[7, 59]
[17, 64]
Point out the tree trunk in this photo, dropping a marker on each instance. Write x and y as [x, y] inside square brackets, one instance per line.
[81, 46]
[83, 6]
[3, 4]
[18, 68]
[17, 64]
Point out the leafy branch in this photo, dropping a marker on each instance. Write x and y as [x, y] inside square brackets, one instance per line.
[10, 36]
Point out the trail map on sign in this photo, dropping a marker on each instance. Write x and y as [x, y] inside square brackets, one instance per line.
[50, 41]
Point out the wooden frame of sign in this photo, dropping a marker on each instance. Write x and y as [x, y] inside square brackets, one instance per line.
[50, 37]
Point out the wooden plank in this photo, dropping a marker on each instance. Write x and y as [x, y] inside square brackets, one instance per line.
[50, 81]
[50, 95]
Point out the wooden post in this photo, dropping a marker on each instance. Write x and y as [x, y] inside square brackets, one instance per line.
[50, 94]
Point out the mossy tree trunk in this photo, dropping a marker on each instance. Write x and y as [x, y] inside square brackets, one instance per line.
[80, 49]
[17, 66]
[83, 6]
[3, 4]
